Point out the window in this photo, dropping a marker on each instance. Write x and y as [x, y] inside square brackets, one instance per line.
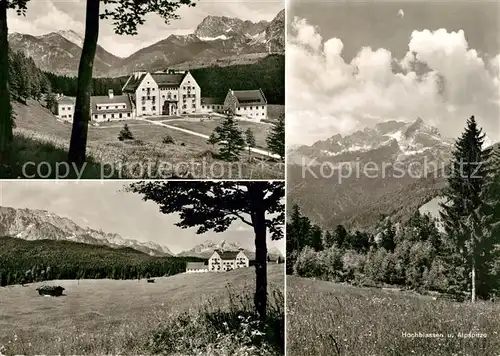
[251, 107]
[143, 108]
[95, 116]
[63, 108]
[107, 107]
[184, 106]
[143, 89]
[128, 114]
[104, 116]
[112, 116]
[154, 108]
[120, 116]
[203, 106]
[262, 107]
[64, 116]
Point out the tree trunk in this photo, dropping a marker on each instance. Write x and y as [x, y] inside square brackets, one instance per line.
[473, 276]
[5, 108]
[81, 118]
[256, 195]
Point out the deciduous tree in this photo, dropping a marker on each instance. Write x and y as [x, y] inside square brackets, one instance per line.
[216, 205]
[126, 16]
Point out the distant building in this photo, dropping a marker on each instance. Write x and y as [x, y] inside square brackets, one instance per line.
[209, 105]
[163, 93]
[102, 108]
[251, 104]
[227, 260]
[196, 267]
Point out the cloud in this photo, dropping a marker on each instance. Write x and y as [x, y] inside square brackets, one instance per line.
[439, 79]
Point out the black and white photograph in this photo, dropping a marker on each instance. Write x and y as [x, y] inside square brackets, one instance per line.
[142, 268]
[142, 89]
[393, 164]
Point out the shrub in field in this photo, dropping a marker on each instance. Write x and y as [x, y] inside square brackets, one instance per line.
[234, 330]
[125, 133]
[167, 140]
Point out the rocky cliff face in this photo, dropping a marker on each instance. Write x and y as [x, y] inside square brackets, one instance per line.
[215, 38]
[29, 224]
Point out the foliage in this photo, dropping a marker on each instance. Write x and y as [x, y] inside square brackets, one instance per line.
[230, 139]
[235, 330]
[34, 261]
[249, 139]
[167, 140]
[276, 139]
[125, 133]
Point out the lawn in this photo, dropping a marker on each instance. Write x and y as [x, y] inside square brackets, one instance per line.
[260, 130]
[325, 318]
[112, 316]
[41, 138]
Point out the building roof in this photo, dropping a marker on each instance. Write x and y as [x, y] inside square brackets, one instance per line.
[227, 255]
[196, 265]
[67, 100]
[250, 97]
[117, 99]
[164, 79]
[211, 101]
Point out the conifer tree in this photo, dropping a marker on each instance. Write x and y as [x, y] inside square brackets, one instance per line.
[388, 236]
[230, 139]
[465, 212]
[316, 238]
[341, 235]
[250, 140]
[329, 239]
[276, 138]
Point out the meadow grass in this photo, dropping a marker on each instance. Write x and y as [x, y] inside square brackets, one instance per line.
[41, 139]
[129, 317]
[325, 318]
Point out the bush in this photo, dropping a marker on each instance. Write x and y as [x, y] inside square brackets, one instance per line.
[235, 330]
[125, 133]
[167, 140]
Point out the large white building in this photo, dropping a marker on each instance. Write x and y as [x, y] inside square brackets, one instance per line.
[227, 260]
[164, 93]
[171, 93]
[102, 108]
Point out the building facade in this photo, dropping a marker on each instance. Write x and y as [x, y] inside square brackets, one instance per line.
[250, 104]
[102, 108]
[222, 261]
[164, 93]
[196, 267]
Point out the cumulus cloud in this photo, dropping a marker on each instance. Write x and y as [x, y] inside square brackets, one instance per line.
[439, 79]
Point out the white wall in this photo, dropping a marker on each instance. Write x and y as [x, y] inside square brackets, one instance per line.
[257, 112]
[111, 116]
[148, 108]
[192, 104]
[66, 111]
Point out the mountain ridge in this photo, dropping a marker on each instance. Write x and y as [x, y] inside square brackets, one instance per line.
[36, 224]
[216, 38]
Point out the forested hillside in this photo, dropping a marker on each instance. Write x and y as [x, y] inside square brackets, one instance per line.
[32, 261]
[268, 74]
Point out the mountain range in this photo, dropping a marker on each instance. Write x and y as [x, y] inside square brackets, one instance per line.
[390, 169]
[215, 39]
[32, 224]
[206, 249]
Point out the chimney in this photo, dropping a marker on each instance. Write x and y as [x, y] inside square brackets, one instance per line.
[110, 93]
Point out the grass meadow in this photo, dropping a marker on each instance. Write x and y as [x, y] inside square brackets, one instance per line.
[186, 314]
[325, 318]
[39, 137]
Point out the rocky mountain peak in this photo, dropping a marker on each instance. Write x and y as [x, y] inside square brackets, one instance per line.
[32, 224]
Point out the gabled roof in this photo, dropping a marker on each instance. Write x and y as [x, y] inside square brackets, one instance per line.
[196, 265]
[227, 255]
[168, 79]
[250, 97]
[117, 99]
[67, 100]
[212, 101]
[162, 79]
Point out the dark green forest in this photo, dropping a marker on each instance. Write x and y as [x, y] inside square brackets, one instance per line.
[268, 74]
[457, 253]
[34, 261]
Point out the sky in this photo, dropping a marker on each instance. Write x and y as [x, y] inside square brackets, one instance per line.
[44, 16]
[105, 205]
[353, 64]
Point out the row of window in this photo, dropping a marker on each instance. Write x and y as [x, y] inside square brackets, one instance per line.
[211, 106]
[120, 115]
[66, 108]
[112, 107]
[250, 108]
